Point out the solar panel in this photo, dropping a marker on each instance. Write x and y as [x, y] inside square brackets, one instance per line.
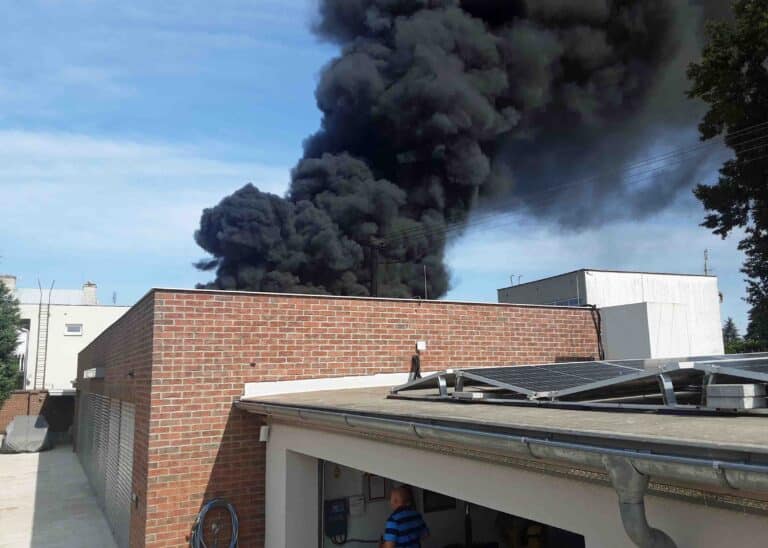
[674, 383]
[553, 377]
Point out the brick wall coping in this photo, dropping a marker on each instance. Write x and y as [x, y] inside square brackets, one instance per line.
[222, 292]
[349, 297]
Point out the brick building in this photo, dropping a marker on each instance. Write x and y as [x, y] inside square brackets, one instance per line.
[177, 360]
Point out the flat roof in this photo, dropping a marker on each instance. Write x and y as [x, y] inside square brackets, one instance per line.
[609, 272]
[694, 434]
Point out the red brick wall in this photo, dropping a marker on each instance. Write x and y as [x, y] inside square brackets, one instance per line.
[21, 402]
[206, 345]
[125, 350]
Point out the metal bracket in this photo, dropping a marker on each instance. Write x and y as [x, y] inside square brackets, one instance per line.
[722, 476]
[442, 385]
[667, 390]
[709, 378]
[459, 382]
[525, 441]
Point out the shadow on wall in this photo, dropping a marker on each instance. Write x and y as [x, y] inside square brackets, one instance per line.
[59, 411]
[237, 476]
[571, 359]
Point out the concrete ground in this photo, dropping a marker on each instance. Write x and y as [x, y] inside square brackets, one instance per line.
[46, 502]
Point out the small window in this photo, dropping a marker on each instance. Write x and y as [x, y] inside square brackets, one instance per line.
[73, 329]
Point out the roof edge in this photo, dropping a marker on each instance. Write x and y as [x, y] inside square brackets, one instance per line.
[353, 298]
[580, 450]
[609, 271]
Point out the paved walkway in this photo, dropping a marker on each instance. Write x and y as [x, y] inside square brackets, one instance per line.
[46, 502]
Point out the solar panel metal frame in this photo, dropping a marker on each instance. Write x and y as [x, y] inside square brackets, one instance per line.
[682, 369]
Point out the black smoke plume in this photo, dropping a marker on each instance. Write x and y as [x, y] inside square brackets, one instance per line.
[436, 107]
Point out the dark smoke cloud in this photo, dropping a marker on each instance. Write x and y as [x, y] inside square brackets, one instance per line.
[436, 107]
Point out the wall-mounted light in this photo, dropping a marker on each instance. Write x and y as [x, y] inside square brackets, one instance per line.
[94, 373]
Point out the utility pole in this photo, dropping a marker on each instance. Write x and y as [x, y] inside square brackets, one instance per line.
[706, 262]
[375, 245]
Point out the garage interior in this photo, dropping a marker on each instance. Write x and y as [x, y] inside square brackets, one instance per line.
[355, 507]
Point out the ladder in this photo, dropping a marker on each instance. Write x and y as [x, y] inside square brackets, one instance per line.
[41, 356]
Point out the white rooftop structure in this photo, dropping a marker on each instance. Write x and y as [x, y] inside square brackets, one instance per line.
[58, 296]
[643, 314]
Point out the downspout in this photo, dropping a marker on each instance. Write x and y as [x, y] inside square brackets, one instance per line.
[631, 486]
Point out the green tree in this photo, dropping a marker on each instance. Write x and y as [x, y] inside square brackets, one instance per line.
[730, 332]
[732, 78]
[10, 322]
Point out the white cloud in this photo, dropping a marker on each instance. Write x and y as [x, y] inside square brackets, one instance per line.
[108, 195]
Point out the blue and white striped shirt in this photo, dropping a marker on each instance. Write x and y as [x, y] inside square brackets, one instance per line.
[405, 527]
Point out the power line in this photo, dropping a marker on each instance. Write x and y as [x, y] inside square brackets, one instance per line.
[671, 158]
[419, 229]
[502, 216]
[499, 220]
[503, 219]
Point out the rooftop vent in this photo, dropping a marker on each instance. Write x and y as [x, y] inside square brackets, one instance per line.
[89, 293]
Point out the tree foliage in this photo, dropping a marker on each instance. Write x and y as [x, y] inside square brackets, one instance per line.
[730, 331]
[10, 322]
[732, 78]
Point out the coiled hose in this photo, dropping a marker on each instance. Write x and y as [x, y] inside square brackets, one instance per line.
[196, 537]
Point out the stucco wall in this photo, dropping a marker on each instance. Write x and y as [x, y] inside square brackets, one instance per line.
[61, 362]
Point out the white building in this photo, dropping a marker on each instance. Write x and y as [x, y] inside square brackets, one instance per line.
[58, 324]
[643, 314]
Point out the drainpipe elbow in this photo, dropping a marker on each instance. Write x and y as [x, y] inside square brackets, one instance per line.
[631, 486]
[639, 530]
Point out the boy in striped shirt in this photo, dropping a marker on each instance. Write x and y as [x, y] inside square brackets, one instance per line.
[405, 527]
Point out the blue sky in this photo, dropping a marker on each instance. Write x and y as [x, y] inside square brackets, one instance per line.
[121, 121]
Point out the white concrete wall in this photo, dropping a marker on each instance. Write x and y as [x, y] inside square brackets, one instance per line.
[683, 315]
[625, 331]
[683, 311]
[588, 509]
[674, 333]
[61, 365]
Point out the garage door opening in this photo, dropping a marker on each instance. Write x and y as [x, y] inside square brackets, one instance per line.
[354, 507]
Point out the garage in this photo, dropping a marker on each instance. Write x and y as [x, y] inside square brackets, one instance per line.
[356, 507]
[332, 455]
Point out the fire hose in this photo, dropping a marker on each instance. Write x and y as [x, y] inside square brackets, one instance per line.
[196, 537]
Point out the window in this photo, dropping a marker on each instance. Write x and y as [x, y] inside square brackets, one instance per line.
[73, 329]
